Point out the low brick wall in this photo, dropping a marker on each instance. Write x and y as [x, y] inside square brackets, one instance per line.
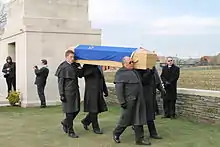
[199, 105]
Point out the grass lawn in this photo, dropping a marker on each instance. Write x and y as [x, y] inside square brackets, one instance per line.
[35, 127]
[208, 79]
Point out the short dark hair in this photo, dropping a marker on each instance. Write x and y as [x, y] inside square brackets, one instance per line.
[170, 57]
[44, 61]
[68, 52]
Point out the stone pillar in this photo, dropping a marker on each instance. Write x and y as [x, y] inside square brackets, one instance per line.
[48, 28]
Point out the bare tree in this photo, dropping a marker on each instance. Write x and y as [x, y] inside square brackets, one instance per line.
[3, 15]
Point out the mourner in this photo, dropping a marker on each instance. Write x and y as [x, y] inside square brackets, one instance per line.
[170, 75]
[41, 80]
[149, 84]
[68, 73]
[129, 92]
[9, 70]
[95, 91]
[158, 85]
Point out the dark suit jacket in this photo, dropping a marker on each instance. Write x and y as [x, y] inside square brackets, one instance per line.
[171, 76]
[41, 76]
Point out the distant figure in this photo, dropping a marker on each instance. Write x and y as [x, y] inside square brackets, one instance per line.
[9, 70]
[170, 75]
[41, 80]
[129, 92]
[68, 73]
[95, 91]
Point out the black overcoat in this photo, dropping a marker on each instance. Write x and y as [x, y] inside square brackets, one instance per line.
[148, 81]
[129, 90]
[95, 86]
[68, 86]
[170, 76]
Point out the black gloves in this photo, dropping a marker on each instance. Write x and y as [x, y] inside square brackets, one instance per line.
[124, 105]
[106, 95]
[62, 98]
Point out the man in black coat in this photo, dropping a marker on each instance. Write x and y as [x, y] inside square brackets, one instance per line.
[94, 102]
[9, 70]
[68, 73]
[149, 84]
[129, 92]
[170, 75]
[41, 80]
[158, 85]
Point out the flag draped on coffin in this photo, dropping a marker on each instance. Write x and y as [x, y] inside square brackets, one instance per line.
[91, 52]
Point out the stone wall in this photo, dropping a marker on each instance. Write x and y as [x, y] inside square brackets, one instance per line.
[198, 105]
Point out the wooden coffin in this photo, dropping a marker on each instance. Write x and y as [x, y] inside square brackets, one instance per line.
[143, 59]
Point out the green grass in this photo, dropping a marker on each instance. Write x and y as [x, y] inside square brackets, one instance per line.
[34, 127]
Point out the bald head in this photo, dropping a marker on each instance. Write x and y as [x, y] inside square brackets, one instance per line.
[127, 62]
[126, 59]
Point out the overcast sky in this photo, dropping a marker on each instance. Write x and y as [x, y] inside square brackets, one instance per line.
[188, 28]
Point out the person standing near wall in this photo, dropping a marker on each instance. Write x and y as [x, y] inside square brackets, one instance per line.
[170, 75]
[9, 70]
[41, 80]
[68, 73]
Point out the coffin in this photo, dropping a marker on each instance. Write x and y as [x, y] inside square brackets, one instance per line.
[112, 56]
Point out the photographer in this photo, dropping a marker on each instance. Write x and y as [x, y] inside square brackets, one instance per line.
[40, 81]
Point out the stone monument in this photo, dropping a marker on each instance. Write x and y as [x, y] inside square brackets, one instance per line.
[43, 29]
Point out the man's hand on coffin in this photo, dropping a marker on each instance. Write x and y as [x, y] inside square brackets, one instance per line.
[78, 66]
[124, 105]
[62, 98]
[152, 71]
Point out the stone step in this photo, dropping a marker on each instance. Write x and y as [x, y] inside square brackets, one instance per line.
[4, 102]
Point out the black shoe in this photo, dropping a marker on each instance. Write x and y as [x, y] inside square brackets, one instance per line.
[143, 142]
[85, 126]
[158, 113]
[155, 137]
[73, 135]
[165, 117]
[97, 131]
[43, 106]
[64, 126]
[132, 128]
[173, 117]
[116, 139]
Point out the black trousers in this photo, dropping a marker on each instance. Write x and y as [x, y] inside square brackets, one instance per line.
[40, 91]
[92, 118]
[151, 128]
[11, 82]
[68, 121]
[138, 130]
[169, 107]
[156, 107]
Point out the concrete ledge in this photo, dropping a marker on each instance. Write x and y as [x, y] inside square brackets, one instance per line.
[199, 92]
[4, 102]
[37, 103]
